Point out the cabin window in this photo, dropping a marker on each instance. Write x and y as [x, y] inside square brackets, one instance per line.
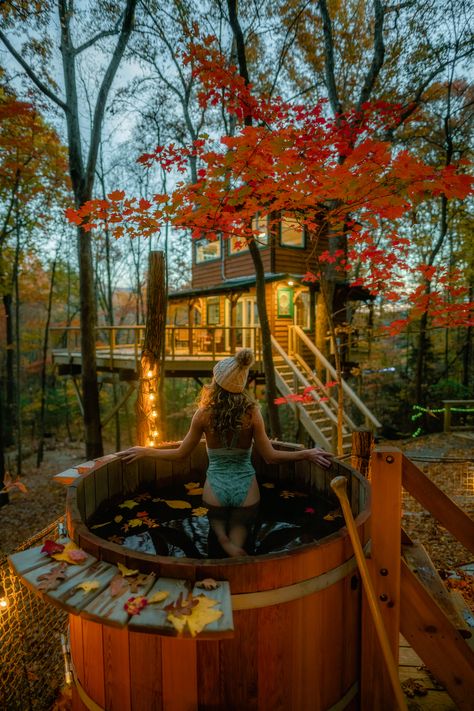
[181, 316]
[206, 251]
[196, 316]
[302, 310]
[292, 233]
[213, 312]
[261, 228]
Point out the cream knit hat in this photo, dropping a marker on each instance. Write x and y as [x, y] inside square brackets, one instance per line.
[232, 373]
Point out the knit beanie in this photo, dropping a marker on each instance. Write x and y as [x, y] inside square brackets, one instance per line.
[232, 373]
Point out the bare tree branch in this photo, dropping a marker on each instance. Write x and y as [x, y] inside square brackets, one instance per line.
[33, 76]
[93, 40]
[378, 56]
[329, 58]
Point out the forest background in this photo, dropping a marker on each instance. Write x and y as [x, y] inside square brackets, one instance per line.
[123, 63]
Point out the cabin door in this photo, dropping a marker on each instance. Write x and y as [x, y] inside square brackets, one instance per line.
[246, 322]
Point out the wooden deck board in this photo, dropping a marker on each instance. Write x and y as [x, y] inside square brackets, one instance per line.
[411, 668]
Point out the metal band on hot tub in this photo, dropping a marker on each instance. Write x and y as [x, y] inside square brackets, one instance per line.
[265, 598]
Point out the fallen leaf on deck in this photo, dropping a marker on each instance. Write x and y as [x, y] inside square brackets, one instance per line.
[118, 585]
[208, 584]
[200, 511]
[129, 504]
[135, 605]
[138, 582]
[88, 585]
[194, 613]
[71, 554]
[99, 525]
[159, 596]
[52, 580]
[51, 547]
[126, 572]
[175, 503]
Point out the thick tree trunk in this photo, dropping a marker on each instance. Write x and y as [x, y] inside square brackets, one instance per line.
[151, 363]
[467, 354]
[3, 496]
[421, 354]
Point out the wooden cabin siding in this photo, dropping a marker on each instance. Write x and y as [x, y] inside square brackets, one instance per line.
[240, 265]
[207, 274]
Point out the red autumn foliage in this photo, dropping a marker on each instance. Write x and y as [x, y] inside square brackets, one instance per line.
[335, 175]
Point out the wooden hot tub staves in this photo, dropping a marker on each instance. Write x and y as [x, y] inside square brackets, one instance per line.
[296, 614]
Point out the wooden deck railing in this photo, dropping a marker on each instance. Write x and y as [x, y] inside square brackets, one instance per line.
[405, 604]
[195, 341]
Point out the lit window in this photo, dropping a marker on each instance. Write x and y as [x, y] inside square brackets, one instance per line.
[291, 232]
[213, 311]
[260, 231]
[207, 251]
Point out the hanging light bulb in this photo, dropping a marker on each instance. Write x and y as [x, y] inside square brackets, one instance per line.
[154, 413]
[3, 603]
[152, 397]
[149, 374]
[154, 433]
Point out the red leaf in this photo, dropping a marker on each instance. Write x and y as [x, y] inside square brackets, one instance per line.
[72, 216]
[116, 195]
[51, 547]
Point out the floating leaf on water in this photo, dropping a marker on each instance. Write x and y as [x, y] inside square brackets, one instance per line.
[176, 503]
[192, 485]
[118, 518]
[134, 522]
[129, 504]
[309, 509]
[332, 515]
[268, 485]
[195, 492]
[100, 525]
[200, 511]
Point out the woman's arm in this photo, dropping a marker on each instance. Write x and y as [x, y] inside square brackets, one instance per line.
[189, 443]
[272, 455]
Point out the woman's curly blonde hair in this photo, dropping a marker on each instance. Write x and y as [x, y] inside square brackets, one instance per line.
[228, 411]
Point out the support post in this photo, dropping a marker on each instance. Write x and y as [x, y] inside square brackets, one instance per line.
[149, 372]
[384, 567]
[362, 446]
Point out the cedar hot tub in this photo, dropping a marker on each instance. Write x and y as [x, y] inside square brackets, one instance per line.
[295, 642]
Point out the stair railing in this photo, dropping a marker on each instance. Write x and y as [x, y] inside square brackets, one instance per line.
[369, 417]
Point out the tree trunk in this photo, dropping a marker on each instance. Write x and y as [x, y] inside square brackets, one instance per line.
[16, 287]
[3, 496]
[39, 454]
[467, 355]
[151, 365]
[421, 354]
[9, 372]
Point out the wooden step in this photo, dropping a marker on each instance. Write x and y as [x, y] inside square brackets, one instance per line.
[422, 566]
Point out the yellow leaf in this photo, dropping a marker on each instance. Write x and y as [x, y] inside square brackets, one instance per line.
[70, 548]
[129, 504]
[88, 585]
[126, 572]
[201, 615]
[200, 511]
[268, 485]
[158, 597]
[99, 525]
[135, 522]
[192, 485]
[195, 492]
[176, 504]
[118, 518]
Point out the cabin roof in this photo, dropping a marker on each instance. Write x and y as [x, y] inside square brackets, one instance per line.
[231, 285]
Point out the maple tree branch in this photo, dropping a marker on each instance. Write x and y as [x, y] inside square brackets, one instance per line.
[33, 76]
[329, 58]
[378, 56]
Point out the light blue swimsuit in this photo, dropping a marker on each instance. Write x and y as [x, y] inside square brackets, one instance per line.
[230, 473]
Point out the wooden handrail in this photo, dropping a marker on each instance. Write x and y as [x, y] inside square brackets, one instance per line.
[330, 368]
[453, 518]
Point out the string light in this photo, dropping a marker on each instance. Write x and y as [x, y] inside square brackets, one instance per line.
[420, 411]
[3, 603]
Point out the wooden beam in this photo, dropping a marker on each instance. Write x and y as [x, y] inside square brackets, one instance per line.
[436, 641]
[384, 567]
[438, 504]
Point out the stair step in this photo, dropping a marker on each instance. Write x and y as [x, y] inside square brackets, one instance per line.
[465, 613]
[421, 565]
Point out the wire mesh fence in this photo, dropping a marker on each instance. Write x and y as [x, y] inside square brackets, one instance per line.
[31, 661]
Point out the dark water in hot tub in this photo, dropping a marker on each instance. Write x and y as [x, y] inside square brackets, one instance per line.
[174, 522]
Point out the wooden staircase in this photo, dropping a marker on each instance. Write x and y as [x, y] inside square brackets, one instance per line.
[318, 408]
